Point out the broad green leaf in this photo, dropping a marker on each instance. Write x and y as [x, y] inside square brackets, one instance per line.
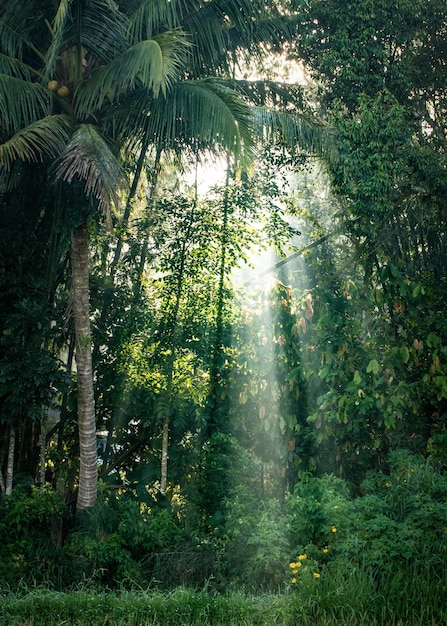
[404, 354]
[432, 340]
[324, 372]
[394, 271]
[389, 421]
[373, 367]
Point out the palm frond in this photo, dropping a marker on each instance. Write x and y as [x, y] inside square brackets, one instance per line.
[16, 23]
[46, 137]
[175, 47]
[21, 103]
[209, 33]
[103, 29]
[270, 93]
[97, 26]
[88, 157]
[203, 114]
[297, 131]
[209, 114]
[14, 67]
[152, 64]
[61, 19]
[224, 26]
[151, 16]
[271, 31]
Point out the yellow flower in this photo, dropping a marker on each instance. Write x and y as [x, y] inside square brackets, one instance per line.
[293, 581]
[292, 565]
[325, 550]
[316, 575]
[298, 564]
[336, 506]
[302, 557]
[388, 485]
[334, 529]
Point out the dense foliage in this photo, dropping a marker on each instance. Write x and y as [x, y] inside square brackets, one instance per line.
[269, 353]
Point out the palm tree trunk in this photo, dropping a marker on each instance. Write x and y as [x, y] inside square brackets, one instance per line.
[83, 345]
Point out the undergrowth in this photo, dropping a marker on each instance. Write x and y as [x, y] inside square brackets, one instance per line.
[355, 598]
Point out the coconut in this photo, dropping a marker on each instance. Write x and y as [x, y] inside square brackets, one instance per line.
[63, 91]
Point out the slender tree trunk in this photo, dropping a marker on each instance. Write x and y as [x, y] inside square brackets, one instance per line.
[216, 356]
[43, 447]
[171, 359]
[10, 465]
[131, 196]
[151, 203]
[164, 455]
[83, 346]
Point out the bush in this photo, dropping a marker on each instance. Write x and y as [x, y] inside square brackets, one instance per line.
[394, 534]
[256, 543]
[116, 539]
[400, 521]
[31, 531]
[318, 511]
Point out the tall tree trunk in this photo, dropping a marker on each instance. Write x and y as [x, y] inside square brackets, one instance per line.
[83, 346]
[216, 355]
[150, 205]
[43, 447]
[10, 465]
[171, 359]
[164, 455]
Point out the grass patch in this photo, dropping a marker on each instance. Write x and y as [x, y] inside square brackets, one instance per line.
[330, 601]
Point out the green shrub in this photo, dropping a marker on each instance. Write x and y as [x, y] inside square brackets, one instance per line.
[317, 514]
[115, 539]
[400, 521]
[31, 531]
[256, 543]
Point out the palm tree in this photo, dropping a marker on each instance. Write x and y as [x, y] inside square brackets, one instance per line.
[84, 81]
[57, 69]
[65, 69]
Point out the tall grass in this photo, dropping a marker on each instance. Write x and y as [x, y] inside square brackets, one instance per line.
[338, 598]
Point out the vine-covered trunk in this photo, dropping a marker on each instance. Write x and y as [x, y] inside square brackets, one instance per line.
[171, 360]
[216, 354]
[83, 350]
[10, 466]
